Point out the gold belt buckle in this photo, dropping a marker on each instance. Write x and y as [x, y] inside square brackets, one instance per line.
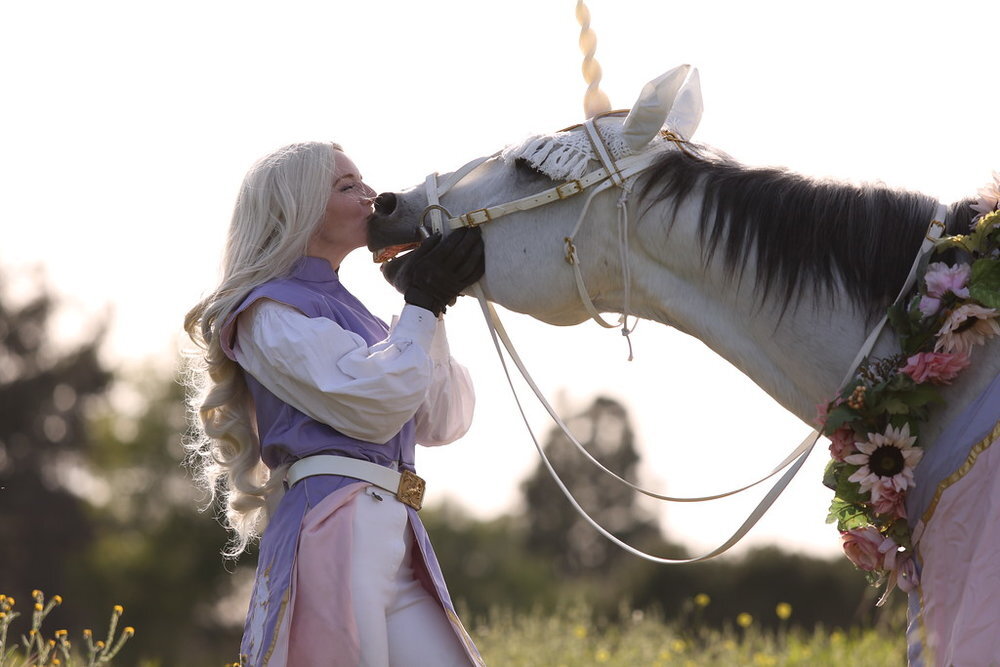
[411, 489]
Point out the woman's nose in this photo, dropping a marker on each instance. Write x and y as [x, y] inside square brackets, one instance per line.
[385, 203]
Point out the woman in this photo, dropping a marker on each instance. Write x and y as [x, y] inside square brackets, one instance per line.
[309, 410]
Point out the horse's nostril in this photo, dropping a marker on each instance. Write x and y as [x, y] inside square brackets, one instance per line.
[385, 203]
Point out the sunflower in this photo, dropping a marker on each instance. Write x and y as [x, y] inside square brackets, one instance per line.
[887, 461]
[969, 324]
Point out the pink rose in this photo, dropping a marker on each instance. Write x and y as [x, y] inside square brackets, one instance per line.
[929, 305]
[942, 279]
[823, 410]
[935, 367]
[889, 501]
[861, 545]
[842, 443]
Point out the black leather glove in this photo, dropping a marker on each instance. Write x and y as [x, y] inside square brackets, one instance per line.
[433, 275]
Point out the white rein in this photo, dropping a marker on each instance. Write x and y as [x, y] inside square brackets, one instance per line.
[620, 173]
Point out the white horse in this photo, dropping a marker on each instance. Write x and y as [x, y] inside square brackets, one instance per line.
[781, 275]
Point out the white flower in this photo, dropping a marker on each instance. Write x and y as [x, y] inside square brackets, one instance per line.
[989, 198]
[887, 461]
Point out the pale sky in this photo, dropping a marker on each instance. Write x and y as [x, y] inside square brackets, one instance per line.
[129, 125]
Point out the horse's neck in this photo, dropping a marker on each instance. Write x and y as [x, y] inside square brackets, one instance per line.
[798, 354]
[798, 358]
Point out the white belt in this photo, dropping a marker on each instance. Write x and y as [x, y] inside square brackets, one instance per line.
[408, 487]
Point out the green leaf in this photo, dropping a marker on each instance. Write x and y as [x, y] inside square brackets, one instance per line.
[899, 320]
[839, 416]
[899, 530]
[847, 515]
[895, 406]
[984, 285]
[959, 241]
[830, 475]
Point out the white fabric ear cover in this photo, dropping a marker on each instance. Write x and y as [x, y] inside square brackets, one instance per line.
[686, 112]
[650, 111]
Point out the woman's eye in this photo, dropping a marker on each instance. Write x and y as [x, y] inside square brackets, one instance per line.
[347, 188]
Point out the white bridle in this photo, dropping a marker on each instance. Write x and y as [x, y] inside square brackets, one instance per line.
[621, 173]
[612, 173]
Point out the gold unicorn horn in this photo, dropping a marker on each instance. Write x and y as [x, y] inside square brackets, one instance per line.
[594, 100]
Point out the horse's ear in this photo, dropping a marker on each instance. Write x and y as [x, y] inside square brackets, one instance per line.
[685, 114]
[674, 97]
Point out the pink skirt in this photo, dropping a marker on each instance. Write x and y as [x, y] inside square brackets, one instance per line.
[957, 542]
[332, 636]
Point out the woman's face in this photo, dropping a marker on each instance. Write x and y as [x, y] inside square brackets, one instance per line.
[344, 225]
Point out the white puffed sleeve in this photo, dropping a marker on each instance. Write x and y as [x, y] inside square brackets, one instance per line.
[446, 413]
[332, 375]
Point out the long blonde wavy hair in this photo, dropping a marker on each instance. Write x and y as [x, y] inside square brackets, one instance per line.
[280, 203]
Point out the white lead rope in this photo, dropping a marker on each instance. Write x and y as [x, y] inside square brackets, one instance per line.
[497, 332]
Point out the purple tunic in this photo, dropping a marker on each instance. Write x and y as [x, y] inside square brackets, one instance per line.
[287, 434]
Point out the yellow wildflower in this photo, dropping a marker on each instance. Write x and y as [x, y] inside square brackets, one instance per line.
[783, 610]
[744, 620]
[702, 600]
[580, 632]
[129, 631]
[602, 655]
[118, 609]
[678, 645]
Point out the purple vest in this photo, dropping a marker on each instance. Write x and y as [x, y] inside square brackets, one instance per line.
[286, 434]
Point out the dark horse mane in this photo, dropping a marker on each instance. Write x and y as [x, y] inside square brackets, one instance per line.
[808, 233]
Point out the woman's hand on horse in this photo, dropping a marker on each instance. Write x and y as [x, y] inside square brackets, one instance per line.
[433, 275]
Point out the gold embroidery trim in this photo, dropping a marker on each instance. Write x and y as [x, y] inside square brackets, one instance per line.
[463, 635]
[974, 453]
[277, 624]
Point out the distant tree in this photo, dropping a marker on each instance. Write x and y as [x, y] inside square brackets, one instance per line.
[486, 563]
[554, 529]
[45, 390]
[153, 551]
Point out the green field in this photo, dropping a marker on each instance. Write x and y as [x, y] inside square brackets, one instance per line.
[570, 638]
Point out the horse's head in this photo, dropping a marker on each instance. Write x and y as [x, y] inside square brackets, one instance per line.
[523, 199]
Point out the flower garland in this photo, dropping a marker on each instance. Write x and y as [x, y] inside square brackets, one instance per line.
[873, 423]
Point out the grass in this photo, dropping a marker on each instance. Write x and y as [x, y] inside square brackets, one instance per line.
[38, 651]
[570, 638]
